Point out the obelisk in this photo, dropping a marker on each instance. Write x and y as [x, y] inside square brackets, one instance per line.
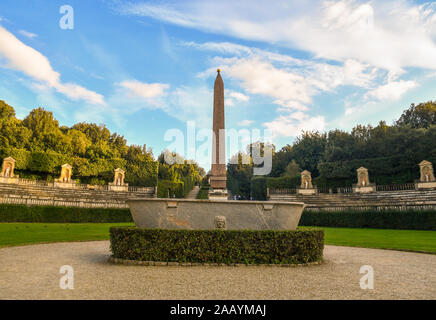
[218, 175]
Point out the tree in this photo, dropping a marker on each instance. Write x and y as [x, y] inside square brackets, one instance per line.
[421, 116]
[308, 150]
[292, 169]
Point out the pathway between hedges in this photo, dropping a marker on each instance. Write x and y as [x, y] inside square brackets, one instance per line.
[32, 272]
[193, 193]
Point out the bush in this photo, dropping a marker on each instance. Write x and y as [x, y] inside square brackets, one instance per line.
[22, 213]
[217, 246]
[386, 219]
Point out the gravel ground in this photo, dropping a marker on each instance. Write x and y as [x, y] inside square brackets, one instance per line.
[32, 272]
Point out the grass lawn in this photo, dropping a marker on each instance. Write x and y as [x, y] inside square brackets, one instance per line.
[413, 240]
[12, 234]
[29, 233]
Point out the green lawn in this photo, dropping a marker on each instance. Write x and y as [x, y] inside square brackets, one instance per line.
[12, 234]
[413, 240]
[28, 233]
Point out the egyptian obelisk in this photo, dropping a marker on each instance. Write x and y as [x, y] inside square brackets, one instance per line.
[218, 176]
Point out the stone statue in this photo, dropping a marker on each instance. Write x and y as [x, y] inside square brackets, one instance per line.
[362, 177]
[426, 170]
[220, 222]
[306, 180]
[8, 168]
[66, 171]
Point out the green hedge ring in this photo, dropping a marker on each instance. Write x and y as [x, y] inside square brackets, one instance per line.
[217, 246]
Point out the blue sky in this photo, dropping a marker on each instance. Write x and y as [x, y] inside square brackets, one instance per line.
[143, 67]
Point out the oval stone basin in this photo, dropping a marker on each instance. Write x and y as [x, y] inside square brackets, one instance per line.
[212, 214]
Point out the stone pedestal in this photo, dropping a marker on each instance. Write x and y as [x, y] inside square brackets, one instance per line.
[122, 188]
[65, 185]
[425, 185]
[218, 194]
[364, 189]
[13, 180]
[306, 192]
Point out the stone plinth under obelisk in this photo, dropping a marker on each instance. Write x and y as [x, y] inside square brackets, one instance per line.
[218, 179]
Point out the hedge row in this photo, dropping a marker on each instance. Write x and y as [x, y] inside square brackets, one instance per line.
[169, 188]
[217, 246]
[259, 185]
[22, 213]
[386, 170]
[386, 219]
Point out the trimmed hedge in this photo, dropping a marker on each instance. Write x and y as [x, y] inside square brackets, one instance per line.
[386, 219]
[384, 170]
[203, 193]
[175, 189]
[217, 246]
[22, 213]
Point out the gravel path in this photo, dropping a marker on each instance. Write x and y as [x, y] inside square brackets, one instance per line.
[32, 272]
[193, 193]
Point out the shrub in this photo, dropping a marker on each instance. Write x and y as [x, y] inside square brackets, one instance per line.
[385, 219]
[217, 246]
[22, 213]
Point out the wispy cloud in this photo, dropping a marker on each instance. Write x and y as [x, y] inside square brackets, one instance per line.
[390, 35]
[27, 34]
[31, 62]
[393, 90]
[144, 90]
[245, 123]
[293, 124]
[290, 82]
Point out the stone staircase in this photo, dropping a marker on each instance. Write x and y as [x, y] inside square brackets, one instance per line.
[47, 195]
[386, 199]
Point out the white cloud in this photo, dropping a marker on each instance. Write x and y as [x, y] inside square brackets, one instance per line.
[390, 35]
[392, 90]
[144, 90]
[229, 103]
[294, 124]
[184, 103]
[238, 96]
[287, 88]
[28, 34]
[245, 123]
[291, 82]
[21, 57]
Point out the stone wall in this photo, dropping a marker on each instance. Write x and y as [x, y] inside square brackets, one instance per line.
[84, 198]
[398, 200]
